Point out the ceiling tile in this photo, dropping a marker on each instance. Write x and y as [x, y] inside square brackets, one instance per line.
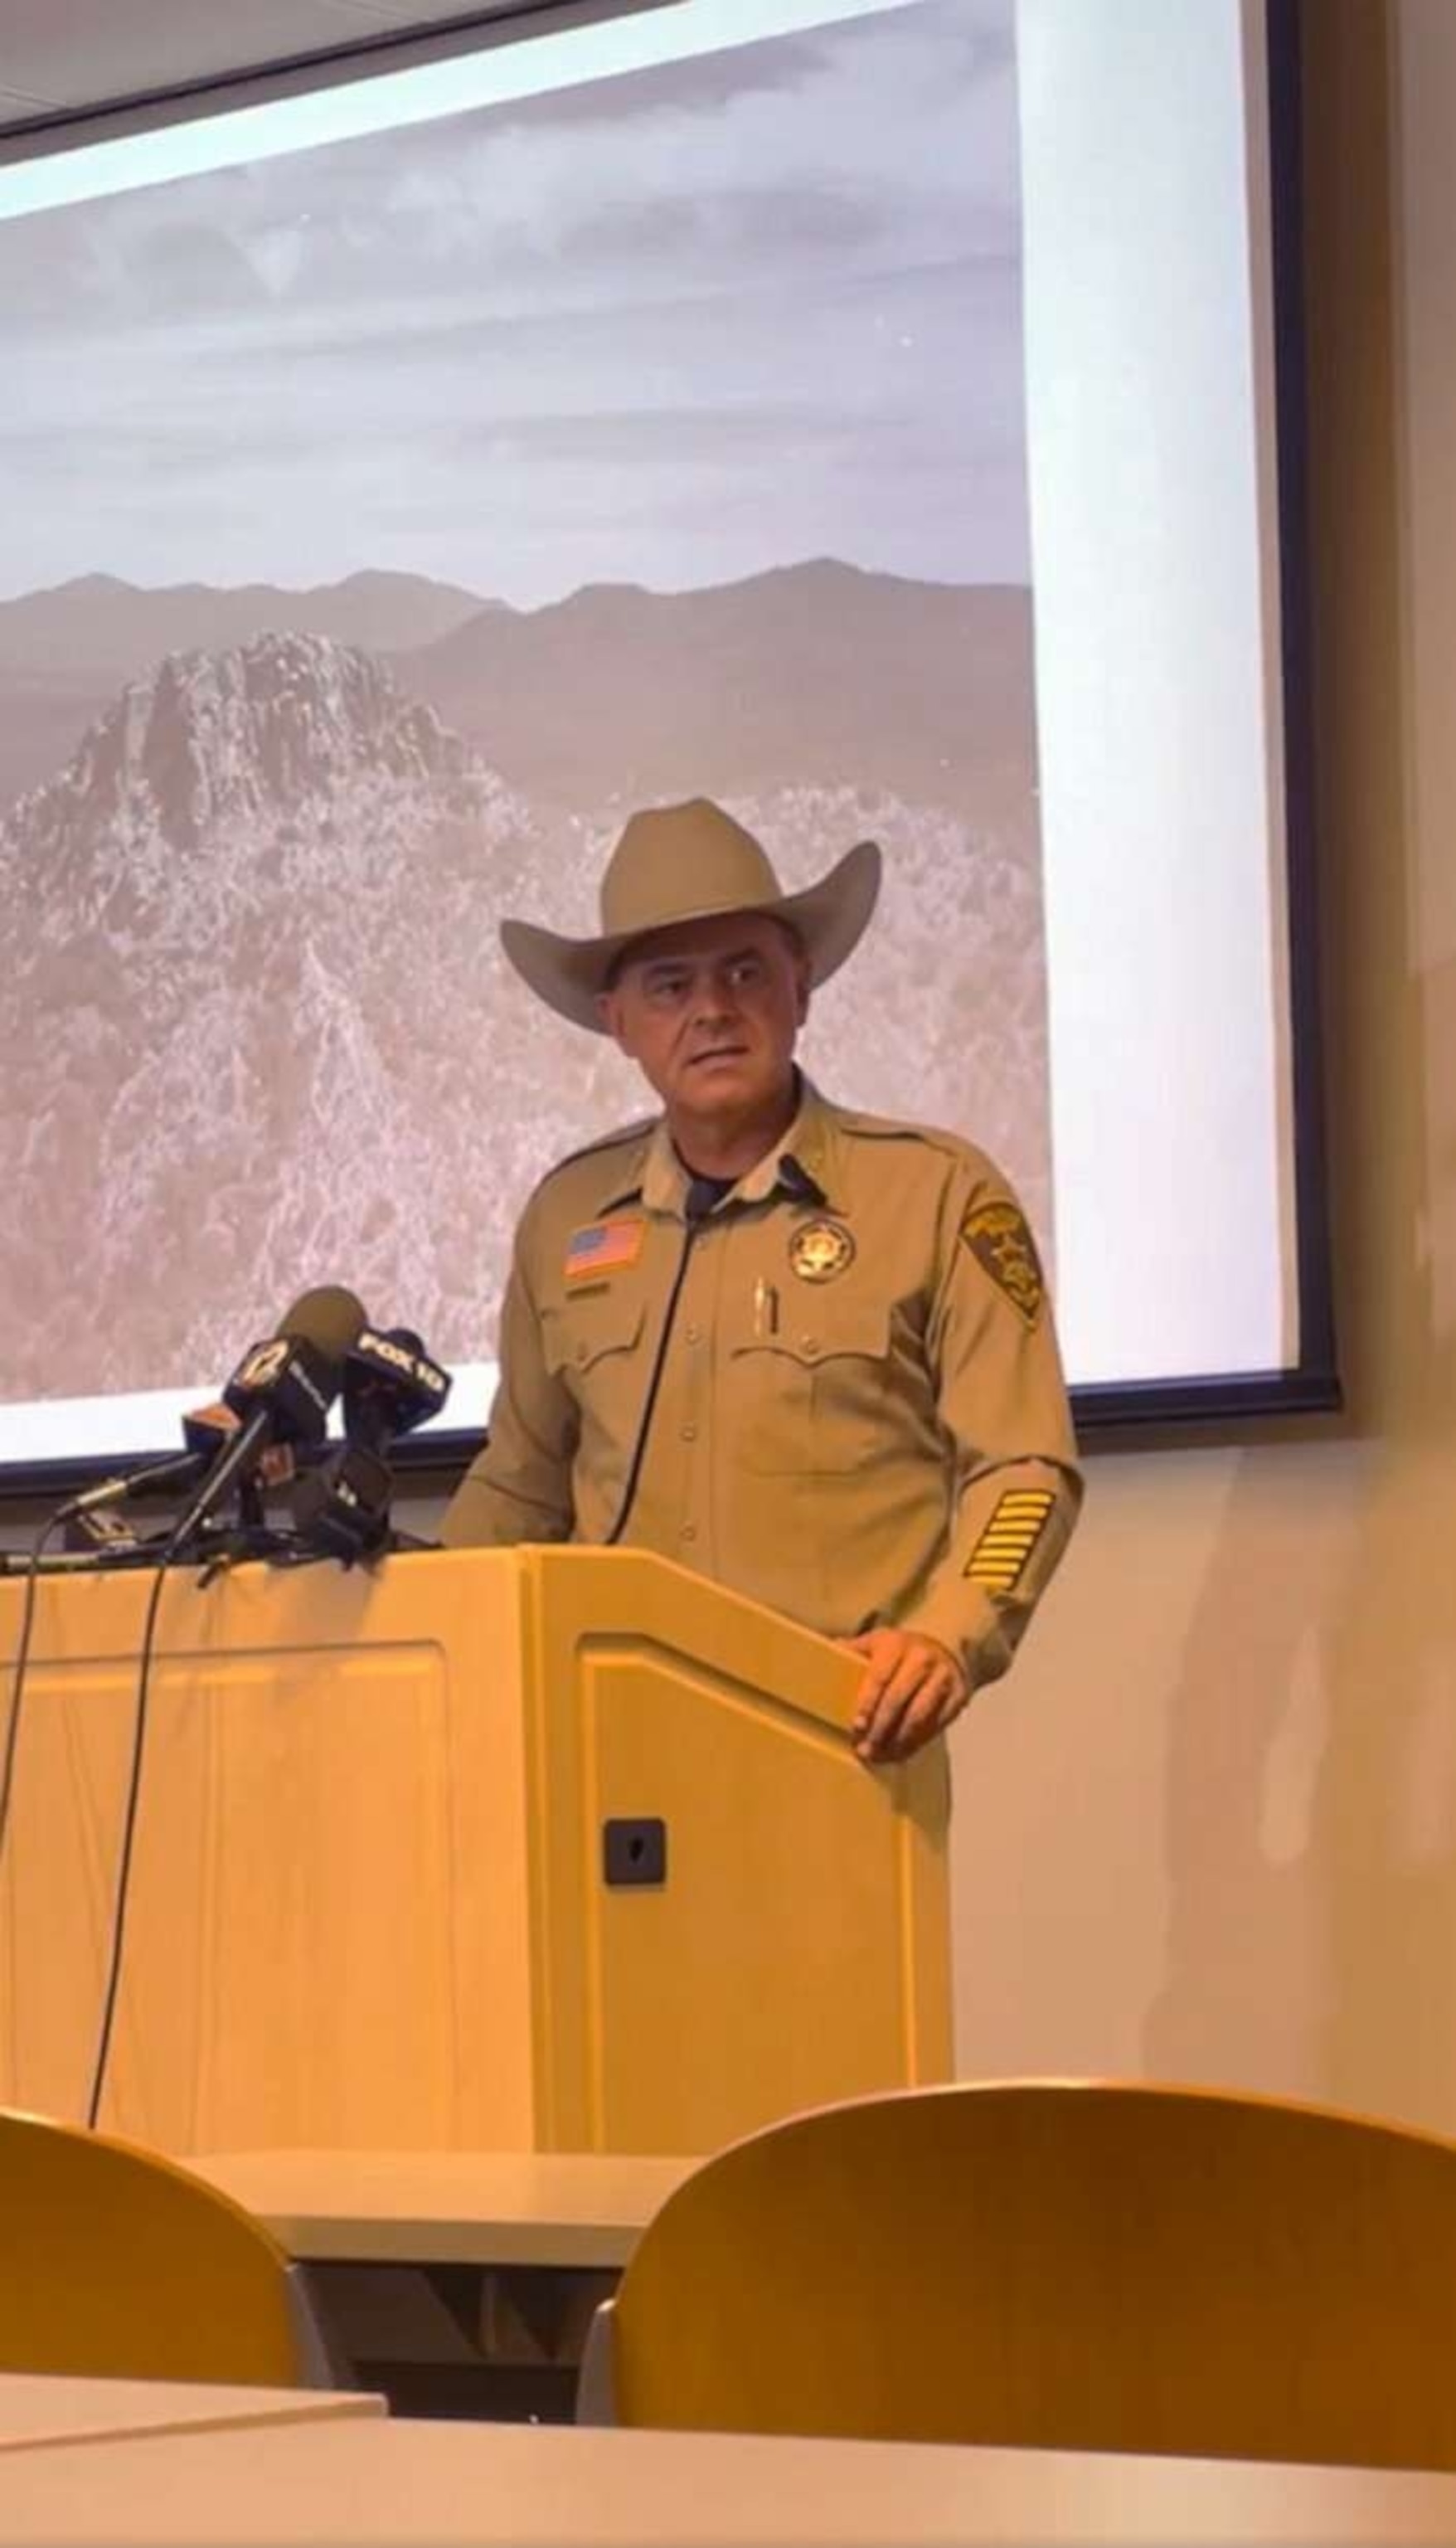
[90, 49]
[82, 53]
[96, 52]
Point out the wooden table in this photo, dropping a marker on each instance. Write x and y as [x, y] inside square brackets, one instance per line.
[448, 2207]
[49, 2414]
[383, 2485]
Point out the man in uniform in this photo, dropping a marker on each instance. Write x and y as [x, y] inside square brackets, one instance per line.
[805, 1351]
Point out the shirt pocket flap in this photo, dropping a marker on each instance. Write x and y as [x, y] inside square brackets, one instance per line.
[808, 1399]
[581, 1333]
[811, 1331]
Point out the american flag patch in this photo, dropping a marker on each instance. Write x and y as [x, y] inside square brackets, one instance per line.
[602, 1247]
[1000, 1555]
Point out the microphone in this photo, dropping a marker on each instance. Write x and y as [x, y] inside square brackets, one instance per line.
[797, 1181]
[280, 1393]
[391, 1386]
[344, 1508]
[179, 1471]
[206, 1432]
[701, 1195]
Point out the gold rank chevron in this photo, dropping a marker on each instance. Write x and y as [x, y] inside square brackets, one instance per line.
[1000, 1555]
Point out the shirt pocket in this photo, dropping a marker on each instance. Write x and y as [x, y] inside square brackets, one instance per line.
[588, 1342]
[811, 1401]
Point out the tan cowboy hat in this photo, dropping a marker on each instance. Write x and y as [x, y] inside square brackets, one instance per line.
[692, 862]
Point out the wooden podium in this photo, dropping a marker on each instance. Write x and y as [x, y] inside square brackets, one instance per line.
[540, 1849]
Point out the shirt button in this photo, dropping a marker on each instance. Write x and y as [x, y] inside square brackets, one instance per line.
[689, 1433]
[688, 1530]
[693, 1335]
[810, 1343]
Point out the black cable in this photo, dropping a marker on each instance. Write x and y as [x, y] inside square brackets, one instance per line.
[22, 1659]
[128, 1834]
[238, 1546]
[701, 1195]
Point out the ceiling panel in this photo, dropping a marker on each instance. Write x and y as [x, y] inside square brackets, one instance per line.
[89, 53]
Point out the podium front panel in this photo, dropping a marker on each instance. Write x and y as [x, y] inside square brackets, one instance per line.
[794, 1948]
[326, 1942]
[371, 1905]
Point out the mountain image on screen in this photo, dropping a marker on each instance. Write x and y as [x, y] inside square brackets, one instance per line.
[260, 1033]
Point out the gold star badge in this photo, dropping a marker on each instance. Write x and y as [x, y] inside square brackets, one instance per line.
[1000, 1241]
[820, 1249]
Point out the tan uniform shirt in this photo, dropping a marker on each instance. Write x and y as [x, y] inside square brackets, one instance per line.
[858, 1415]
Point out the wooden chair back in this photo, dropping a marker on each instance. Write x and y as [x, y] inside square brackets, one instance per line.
[1058, 2265]
[114, 2263]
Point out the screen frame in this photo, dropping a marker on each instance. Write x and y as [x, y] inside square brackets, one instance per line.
[1219, 1405]
[1313, 1385]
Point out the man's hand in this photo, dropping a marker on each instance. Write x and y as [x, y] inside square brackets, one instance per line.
[913, 1688]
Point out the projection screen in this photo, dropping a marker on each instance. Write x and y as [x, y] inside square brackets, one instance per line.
[881, 418]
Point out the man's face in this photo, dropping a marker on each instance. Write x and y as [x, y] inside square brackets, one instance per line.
[710, 1012]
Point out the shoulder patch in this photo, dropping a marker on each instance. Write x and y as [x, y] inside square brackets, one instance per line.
[1000, 1240]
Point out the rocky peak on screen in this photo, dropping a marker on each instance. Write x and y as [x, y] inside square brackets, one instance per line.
[258, 1030]
[213, 738]
[244, 932]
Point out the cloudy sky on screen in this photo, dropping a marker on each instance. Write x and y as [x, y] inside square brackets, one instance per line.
[670, 329]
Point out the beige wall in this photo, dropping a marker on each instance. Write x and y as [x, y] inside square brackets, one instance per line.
[1208, 1830]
